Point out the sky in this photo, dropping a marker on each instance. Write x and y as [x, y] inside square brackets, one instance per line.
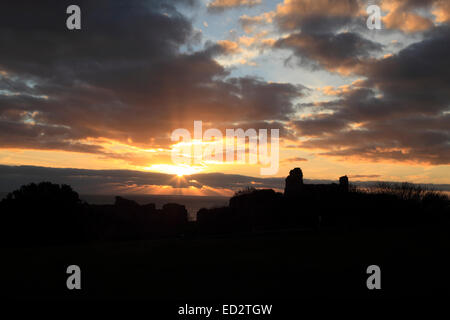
[371, 104]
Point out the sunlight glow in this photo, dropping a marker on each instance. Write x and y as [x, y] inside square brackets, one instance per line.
[179, 170]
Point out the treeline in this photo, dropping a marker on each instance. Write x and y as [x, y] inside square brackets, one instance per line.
[327, 206]
[47, 213]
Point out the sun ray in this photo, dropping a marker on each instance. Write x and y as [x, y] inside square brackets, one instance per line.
[179, 170]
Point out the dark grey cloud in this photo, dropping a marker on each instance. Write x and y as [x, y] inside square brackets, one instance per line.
[324, 34]
[316, 16]
[122, 181]
[294, 159]
[317, 126]
[356, 176]
[402, 109]
[329, 51]
[123, 76]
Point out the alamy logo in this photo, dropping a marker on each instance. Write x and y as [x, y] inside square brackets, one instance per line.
[374, 280]
[74, 280]
[73, 22]
[212, 145]
[374, 19]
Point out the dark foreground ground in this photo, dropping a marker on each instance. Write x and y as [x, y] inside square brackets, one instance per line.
[267, 266]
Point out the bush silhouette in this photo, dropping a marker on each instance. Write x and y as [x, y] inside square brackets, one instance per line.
[42, 213]
[328, 205]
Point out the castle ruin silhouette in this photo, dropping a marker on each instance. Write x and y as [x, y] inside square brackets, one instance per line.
[295, 187]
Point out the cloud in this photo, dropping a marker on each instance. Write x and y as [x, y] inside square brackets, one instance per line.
[310, 16]
[335, 52]
[294, 159]
[399, 113]
[122, 77]
[216, 6]
[319, 16]
[230, 47]
[441, 10]
[316, 16]
[248, 23]
[138, 70]
[403, 15]
[332, 35]
[318, 125]
[364, 176]
[321, 34]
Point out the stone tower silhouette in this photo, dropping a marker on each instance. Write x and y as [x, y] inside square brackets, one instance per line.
[343, 183]
[294, 183]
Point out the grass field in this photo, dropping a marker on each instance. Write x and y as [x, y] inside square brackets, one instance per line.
[278, 265]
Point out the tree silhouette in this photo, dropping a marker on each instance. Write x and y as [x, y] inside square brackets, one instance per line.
[42, 213]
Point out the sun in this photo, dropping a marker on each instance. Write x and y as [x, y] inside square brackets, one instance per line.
[179, 170]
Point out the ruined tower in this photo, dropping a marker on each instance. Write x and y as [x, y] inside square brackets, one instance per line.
[294, 183]
[343, 183]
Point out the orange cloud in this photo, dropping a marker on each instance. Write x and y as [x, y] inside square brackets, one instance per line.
[259, 40]
[441, 10]
[249, 23]
[294, 159]
[317, 7]
[406, 21]
[230, 47]
[402, 16]
[220, 5]
[337, 91]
